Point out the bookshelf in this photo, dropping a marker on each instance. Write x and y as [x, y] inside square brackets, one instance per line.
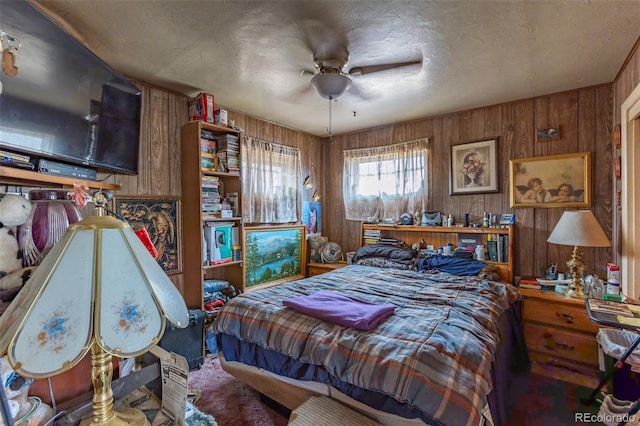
[209, 174]
[441, 235]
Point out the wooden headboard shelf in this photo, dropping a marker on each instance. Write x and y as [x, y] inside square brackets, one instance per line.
[441, 235]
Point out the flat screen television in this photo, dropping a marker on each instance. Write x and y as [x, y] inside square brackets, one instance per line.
[65, 103]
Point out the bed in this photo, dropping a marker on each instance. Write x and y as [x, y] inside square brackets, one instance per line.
[443, 357]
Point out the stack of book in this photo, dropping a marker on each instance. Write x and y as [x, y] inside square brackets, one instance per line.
[390, 241]
[229, 153]
[208, 142]
[529, 282]
[210, 195]
[371, 236]
[12, 159]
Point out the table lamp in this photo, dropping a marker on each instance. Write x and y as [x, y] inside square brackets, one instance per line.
[98, 289]
[578, 228]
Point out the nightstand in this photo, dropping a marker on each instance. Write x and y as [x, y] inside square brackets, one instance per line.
[321, 268]
[561, 339]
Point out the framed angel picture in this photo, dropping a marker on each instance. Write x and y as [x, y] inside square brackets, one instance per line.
[551, 181]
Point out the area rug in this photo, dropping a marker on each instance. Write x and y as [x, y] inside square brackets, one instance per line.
[229, 401]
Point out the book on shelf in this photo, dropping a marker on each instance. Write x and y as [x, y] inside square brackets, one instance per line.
[529, 282]
[530, 285]
[609, 307]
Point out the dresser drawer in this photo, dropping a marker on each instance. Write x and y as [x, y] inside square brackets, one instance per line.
[559, 315]
[564, 369]
[563, 343]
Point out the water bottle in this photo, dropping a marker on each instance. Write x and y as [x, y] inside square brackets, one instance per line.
[448, 249]
[480, 252]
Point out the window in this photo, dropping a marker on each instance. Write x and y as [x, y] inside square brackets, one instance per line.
[384, 182]
[271, 183]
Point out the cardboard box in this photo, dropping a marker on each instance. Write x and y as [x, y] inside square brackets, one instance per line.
[202, 108]
[470, 240]
[221, 117]
[613, 270]
[218, 238]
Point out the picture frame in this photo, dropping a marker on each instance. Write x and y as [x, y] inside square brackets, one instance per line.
[312, 217]
[473, 167]
[548, 134]
[551, 181]
[273, 255]
[161, 216]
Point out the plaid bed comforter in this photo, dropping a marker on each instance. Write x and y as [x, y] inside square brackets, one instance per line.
[434, 353]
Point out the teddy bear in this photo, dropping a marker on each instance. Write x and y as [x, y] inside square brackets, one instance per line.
[14, 211]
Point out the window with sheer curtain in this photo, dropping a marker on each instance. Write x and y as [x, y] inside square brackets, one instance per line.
[271, 183]
[386, 181]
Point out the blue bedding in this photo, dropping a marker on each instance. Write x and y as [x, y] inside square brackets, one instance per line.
[452, 265]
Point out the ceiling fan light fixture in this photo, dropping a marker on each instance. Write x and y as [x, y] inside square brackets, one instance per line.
[331, 85]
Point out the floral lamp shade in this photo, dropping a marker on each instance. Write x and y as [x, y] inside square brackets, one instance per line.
[97, 285]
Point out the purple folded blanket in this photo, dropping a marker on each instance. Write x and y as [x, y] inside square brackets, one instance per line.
[340, 309]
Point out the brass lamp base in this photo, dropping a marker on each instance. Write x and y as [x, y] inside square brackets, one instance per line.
[125, 416]
[576, 266]
[103, 412]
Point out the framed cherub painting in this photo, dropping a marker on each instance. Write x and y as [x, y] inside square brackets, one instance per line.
[551, 181]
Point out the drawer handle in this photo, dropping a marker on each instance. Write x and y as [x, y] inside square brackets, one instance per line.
[565, 317]
[565, 346]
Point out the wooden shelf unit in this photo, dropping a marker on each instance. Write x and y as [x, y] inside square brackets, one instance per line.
[14, 176]
[441, 235]
[192, 216]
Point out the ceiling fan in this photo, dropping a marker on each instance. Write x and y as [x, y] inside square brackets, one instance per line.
[331, 81]
[330, 57]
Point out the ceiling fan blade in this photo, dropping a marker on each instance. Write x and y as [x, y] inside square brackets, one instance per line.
[368, 69]
[297, 95]
[327, 44]
[357, 91]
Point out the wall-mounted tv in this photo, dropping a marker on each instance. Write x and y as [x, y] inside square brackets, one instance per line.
[65, 103]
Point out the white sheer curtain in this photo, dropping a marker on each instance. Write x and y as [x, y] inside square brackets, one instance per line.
[386, 181]
[271, 182]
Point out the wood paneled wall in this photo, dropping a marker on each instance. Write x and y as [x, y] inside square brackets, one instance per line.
[163, 114]
[584, 117]
[626, 80]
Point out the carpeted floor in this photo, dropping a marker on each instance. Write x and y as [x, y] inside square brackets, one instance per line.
[536, 400]
[228, 400]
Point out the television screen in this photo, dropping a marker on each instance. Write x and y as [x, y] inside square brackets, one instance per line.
[65, 103]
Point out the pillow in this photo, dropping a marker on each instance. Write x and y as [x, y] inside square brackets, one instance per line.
[391, 252]
[383, 262]
[315, 243]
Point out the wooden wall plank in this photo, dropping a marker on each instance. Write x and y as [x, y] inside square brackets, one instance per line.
[515, 123]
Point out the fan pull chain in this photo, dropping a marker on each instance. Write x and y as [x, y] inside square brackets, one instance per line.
[330, 125]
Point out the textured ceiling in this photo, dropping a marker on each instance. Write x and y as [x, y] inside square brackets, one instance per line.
[250, 54]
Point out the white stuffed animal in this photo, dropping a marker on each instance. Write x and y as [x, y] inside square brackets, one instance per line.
[14, 211]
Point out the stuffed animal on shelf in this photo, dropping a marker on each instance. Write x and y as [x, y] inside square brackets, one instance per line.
[14, 211]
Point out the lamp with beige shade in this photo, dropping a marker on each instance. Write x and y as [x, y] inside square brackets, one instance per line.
[578, 228]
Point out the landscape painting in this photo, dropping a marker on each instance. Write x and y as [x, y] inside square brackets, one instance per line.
[273, 254]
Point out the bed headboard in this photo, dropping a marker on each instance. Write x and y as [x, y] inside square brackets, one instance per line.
[438, 236]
